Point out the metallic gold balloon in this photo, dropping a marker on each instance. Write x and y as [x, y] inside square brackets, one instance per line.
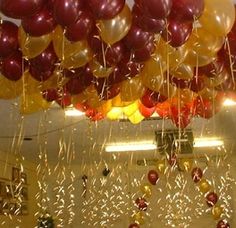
[131, 89]
[202, 47]
[117, 102]
[136, 118]
[152, 73]
[32, 46]
[10, 89]
[183, 71]
[161, 166]
[208, 93]
[105, 107]
[217, 79]
[31, 103]
[138, 218]
[204, 186]
[167, 89]
[116, 28]
[185, 164]
[131, 109]
[93, 100]
[170, 55]
[146, 189]
[218, 17]
[217, 212]
[99, 70]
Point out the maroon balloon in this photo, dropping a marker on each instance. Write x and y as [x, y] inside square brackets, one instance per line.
[74, 86]
[134, 225]
[197, 83]
[81, 28]
[105, 9]
[95, 42]
[50, 95]
[181, 117]
[12, 66]
[136, 38]
[211, 199]
[223, 224]
[66, 12]
[8, 38]
[64, 99]
[43, 65]
[150, 98]
[180, 83]
[141, 204]
[39, 24]
[158, 9]
[187, 10]
[146, 23]
[20, 8]
[143, 54]
[153, 177]
[196, 174]
[177, 33]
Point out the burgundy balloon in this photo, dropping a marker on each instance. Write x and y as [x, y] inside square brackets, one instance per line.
[12, 66]
[211, 199]
[64, 99]
[39, 24]
[196, 174]
[134, 225]
[143, 54]
[181, 117]
[153, 177]
[50, 95]
[20, 8]
[146, 23]
[187, 10]
[43, 65]
[150, 98]
[180, 83]
[158, 9]
[74, 86]
[141, 204]
[106, 9]
[95, 42]
[136, 38]
[223, 224]
[8, 38]
[66, 12]
[177, 33]
[81, 28]
[197, 83]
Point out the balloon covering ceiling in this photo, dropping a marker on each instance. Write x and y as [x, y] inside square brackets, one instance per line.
[104, 58]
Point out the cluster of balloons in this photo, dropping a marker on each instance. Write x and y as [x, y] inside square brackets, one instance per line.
[172, 57]
[204, 186]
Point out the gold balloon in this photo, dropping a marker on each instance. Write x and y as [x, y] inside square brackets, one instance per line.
[99, 70]
[217, 79]
[115, 113]
[204, 186]
[202, 47]
[146, 189]
[208, 93]
[32, 46]
[167, 89]
[105, 107]
[161, 166]
[31, 103]
[131, 89]
[115, 29]
[138, 218]
[182, 71]
[173, 56]
[185, 164]
[79, 98]
[217, 212]
[136, 118]
[152, 73]
[131, 109]
[93, 100]
[218, 17]
[10, 89]
[117, 102]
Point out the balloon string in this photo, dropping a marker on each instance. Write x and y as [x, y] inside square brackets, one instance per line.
[230, 61]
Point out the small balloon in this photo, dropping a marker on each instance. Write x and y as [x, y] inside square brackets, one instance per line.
[211, 199]
[204, 186]
[139, 218]
[146, 190]
[141, 203]
[196, 174]
[217, 212]
[134, 225]
[161, 166]
[223, 224]
[153, 177]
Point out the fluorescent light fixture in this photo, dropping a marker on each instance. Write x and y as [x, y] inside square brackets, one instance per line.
[131, 146]
[208, 142]
[73, 112]
[229, 102]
